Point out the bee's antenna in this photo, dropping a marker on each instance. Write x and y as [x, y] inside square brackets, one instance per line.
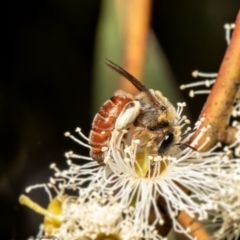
[134, 81]
[187, 145]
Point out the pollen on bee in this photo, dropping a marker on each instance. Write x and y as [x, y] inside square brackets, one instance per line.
[104, 149]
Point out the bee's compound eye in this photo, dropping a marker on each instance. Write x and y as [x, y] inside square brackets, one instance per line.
[166, 142]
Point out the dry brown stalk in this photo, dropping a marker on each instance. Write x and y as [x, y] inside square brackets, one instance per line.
[218, 107]
[194, 227]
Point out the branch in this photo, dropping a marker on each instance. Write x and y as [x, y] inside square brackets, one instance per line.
[219, 105]
[195, 228]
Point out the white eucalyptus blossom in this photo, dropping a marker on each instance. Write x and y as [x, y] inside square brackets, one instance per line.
[185, 179]
[96, 216]
[224, 216]
[89, 215]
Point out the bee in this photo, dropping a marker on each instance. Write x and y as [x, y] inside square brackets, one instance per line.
[149, 110]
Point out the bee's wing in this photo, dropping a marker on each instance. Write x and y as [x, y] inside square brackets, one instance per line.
[135, 82]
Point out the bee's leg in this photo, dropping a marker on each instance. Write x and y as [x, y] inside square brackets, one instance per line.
[156, 139]
[128, 115]
[138, 134]
[118, 138]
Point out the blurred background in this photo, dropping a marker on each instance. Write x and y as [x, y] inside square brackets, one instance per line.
[53, 78]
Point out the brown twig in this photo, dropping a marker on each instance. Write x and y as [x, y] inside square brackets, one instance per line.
[194, 227]
[218, 107]
[217, 111]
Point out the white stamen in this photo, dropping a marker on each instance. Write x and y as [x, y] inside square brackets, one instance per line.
[79, 130]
